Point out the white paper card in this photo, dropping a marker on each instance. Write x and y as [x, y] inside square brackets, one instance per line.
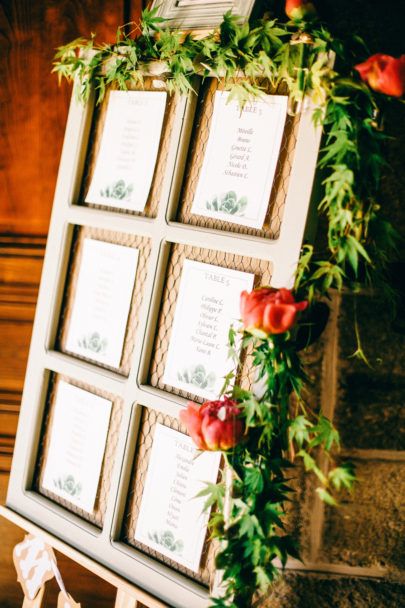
[207, 303]
[241, 159]
[128, 150]
[170, 518]
[102, 301]
[77, 445]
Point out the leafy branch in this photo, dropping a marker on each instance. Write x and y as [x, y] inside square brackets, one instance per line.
[255, 530]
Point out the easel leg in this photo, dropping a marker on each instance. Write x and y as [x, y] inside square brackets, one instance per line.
[123, 600]
[37, 601]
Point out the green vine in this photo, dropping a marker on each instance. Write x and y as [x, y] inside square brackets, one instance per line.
[359, 239]
[254, 529]
[279, 427]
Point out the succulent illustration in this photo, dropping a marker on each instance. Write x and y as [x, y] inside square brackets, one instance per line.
[69, 485]
[118, 190]
[166, 539]
[228, 203]
[198, 376]
[93, 342]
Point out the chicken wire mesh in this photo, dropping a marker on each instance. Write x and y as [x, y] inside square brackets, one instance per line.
[199, 139]
[262, 269]
[96, 134]
[100, 505]
[149, 419]
[143, 244]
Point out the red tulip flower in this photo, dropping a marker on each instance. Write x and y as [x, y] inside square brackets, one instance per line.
[214, 425]
[272, 311]
[299, 9]
[384, 73]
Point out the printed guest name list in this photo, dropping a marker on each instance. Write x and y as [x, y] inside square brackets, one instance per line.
[240, 159]
[240, 152]
[128, 151]
[174, 525]
[207, 304]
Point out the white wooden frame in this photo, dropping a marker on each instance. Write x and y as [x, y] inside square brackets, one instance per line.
[199, 14]
[105, 546]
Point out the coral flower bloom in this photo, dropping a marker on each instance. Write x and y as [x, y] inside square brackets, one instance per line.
[299, 9]
[214, 424]
[384, 73]
[272, 311]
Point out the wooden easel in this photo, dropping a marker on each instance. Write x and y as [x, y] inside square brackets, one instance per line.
[37, 602]
[127, 596]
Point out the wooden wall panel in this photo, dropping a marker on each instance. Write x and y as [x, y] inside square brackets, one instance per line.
[20, 272]
[33, 109]
[133, 10]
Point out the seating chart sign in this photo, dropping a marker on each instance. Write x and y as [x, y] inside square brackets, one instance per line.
[102, 301]
[241, 159]
[170, 517]
[77, 445]
[207, 304]
[128, 150]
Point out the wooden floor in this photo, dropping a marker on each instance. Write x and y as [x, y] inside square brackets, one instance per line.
[83, 586]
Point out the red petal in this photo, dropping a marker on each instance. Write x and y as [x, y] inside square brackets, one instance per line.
[392, 79]
[192, 420]
[384, 73]
[222, 435]
[213, 432]
[285, 296]
[242, 303]
[278, 318]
